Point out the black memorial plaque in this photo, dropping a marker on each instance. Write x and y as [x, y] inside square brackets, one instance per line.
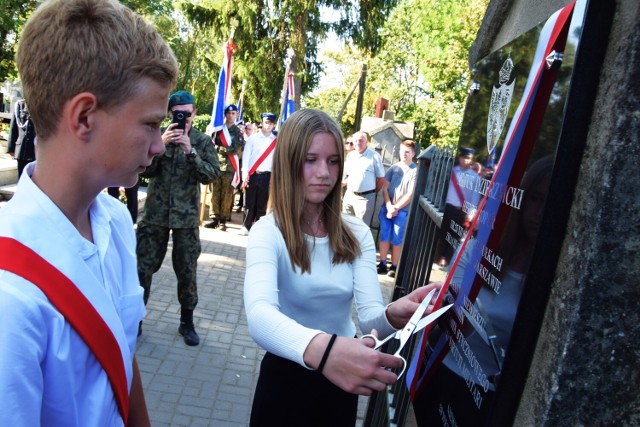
[513, 120]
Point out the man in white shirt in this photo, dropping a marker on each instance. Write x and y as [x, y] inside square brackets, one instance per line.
[363, 178]
[256, 171]
[68, 337]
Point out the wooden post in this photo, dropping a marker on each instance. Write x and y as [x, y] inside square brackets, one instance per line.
[203, 201]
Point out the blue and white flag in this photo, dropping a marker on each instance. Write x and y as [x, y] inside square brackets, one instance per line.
[219, 103]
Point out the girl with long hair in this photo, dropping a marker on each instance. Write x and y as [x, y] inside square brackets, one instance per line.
[306, 265]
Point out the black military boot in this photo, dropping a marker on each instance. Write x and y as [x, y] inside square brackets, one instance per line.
[186, 329]
[212, 224]
[223, 225]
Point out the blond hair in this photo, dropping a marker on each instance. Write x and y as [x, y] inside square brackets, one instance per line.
[99, 46]
[287, 193]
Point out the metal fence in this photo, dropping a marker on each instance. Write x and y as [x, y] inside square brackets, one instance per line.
[390, 407]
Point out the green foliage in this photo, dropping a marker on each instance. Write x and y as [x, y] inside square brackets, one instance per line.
[13, 15]
[424, 64]
[378, 32]
[149, 7]
[421, 68]
[343, 74]
[201, 121]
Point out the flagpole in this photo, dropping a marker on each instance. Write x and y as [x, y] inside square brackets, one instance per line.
[283, 100]
[241, 103]
[224, 86]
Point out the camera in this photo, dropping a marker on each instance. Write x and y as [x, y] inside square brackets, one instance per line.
[180, 117]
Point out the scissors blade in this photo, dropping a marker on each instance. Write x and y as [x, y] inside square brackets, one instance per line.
[410, 327]
[431, 318]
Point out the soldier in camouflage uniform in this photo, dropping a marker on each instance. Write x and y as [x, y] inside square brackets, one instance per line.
[173, 204]
[221, 189]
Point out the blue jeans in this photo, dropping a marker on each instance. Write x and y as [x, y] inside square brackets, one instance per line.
[392, 230]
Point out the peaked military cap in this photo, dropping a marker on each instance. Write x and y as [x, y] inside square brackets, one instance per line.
[466, 151]
[269, 116]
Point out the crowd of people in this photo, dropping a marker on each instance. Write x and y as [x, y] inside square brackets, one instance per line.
[309, 201]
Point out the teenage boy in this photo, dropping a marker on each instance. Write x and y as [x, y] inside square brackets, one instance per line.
[397, 190]
[96, 78]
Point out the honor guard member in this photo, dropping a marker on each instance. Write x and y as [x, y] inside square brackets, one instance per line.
[256, 171]
[222, 188]
[173, 205]
[363, 178]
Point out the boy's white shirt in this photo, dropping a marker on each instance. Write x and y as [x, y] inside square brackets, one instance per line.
[33, 219]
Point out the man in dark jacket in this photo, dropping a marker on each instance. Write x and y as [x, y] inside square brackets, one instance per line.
[173, 205]
[22, 139]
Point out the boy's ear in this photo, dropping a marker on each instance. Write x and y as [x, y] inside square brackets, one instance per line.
[79, 111]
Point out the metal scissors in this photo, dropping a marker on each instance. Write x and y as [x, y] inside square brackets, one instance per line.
[415, 324]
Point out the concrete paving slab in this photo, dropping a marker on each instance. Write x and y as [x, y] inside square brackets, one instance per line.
[211, 384]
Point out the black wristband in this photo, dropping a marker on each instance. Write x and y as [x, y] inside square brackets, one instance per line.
[325, 356]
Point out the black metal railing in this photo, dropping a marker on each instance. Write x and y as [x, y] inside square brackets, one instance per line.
[390, 407]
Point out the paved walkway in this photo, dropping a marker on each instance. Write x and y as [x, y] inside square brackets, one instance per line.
[211, 384]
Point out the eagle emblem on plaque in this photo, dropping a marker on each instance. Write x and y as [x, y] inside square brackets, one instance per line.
[499, 108]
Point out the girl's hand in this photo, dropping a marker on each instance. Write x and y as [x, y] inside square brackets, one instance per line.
[400, 311]
[353, 365]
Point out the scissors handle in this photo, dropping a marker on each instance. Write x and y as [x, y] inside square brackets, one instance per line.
[379, 342]
[404, 361]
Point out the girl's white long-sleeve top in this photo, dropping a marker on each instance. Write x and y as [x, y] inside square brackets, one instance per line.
[286, 309]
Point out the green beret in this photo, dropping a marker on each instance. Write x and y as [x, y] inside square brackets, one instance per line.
[181, 97]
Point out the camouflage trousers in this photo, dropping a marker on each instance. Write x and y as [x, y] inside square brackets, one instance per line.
[152, 241]
[221, 197]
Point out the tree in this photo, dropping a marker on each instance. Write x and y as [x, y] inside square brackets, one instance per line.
[421, 66]
[13, 15]
[267, 29]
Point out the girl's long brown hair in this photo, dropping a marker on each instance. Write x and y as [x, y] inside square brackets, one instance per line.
[286, 191]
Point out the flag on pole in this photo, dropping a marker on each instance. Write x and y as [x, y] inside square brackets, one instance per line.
[289, 100]
[219, 103]
[240, 117]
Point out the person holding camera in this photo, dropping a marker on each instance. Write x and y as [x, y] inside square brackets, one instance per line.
[173, 205]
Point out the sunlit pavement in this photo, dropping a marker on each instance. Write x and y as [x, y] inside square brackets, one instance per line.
[211, 384]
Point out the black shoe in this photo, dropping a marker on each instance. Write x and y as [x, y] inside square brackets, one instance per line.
[212, 224]
[189, 333]
[392, 271]
[382, 268]
[223, 226]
